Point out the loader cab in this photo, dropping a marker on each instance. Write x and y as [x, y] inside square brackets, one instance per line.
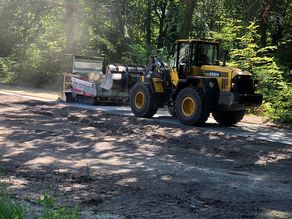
[190, 55]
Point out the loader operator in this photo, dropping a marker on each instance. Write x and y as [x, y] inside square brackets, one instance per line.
[183, 57]
[202, 57]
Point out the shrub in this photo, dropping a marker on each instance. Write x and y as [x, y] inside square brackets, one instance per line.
[8, 69]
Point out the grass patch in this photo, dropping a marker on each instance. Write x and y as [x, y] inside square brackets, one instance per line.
[8, 208]
[50, 210]
[53, 211]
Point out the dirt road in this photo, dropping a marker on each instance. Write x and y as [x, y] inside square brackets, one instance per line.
[246, 128]
[251, 126]
[140, 168]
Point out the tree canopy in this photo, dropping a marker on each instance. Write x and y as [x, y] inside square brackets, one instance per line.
[35, 36]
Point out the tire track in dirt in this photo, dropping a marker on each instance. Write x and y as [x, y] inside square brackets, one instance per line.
[140, 168]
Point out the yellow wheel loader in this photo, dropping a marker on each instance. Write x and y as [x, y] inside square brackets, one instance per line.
[195, 86]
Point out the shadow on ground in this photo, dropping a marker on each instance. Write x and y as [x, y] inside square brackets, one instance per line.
[126, 166]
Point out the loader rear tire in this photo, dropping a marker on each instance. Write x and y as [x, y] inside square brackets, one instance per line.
[228, 118]
[143, 101]
[190, 108]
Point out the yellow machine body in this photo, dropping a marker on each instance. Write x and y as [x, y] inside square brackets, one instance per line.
[224, 75]
[195, 86]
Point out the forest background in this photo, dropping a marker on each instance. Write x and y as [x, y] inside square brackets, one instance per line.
[36, 35]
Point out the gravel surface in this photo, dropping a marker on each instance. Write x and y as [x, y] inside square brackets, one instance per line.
[137, 168]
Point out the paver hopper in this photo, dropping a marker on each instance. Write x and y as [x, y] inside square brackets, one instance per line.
[88, 82]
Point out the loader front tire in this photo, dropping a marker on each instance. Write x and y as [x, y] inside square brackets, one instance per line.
[143, 101]
[190, 108]
[228, 118]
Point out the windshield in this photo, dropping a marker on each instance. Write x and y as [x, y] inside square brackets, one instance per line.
[206, 54]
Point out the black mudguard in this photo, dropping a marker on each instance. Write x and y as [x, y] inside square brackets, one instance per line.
[208, 89]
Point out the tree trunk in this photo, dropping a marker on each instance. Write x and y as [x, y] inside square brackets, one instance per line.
[148, 25]
[281, 8]
[161, 25]
[264, 23]
[252, 11]
[70, 26]
[187, 20]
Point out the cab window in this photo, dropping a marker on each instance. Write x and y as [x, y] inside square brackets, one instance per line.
[205, 54]
[184, 53]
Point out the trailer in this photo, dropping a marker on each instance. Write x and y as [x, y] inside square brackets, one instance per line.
[90, 82]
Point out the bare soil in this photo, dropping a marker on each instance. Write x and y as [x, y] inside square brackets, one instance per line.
[139, 168]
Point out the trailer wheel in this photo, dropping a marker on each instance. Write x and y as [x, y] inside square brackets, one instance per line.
[190, 108]
[228, 118]
[143, 101]
[69, 98]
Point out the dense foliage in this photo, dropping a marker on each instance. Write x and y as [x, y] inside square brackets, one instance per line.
[36, 35]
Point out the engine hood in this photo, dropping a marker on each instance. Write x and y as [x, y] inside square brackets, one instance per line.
[234, 71]
[237, 71]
